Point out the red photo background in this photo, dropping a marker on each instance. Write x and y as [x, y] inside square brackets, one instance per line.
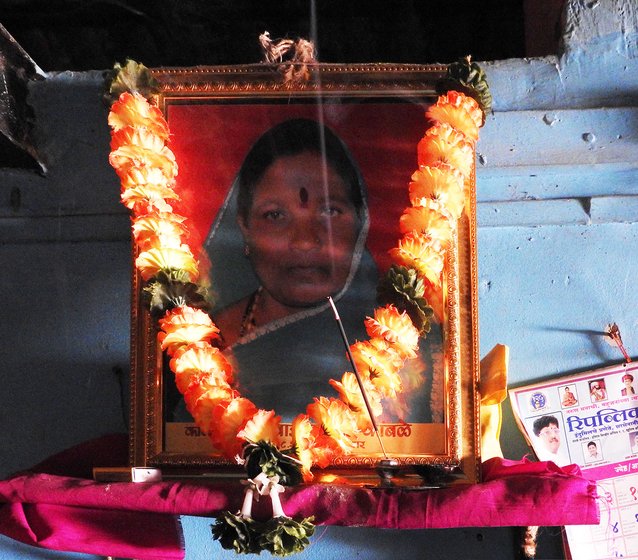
[211, 139]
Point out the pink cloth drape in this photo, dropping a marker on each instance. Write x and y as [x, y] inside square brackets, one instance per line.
[67, 512]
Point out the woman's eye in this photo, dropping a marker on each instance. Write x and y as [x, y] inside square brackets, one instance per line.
[273, 215]
[331, 211]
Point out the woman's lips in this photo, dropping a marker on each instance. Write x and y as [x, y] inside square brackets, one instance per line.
[305, 273]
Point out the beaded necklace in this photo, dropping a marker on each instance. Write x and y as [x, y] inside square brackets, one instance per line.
[248, 318]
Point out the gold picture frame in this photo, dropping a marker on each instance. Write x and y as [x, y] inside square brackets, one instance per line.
[378, 111]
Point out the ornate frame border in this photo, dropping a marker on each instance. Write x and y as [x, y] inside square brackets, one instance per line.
[261, 81]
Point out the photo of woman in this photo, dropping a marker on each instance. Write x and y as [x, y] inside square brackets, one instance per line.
[291, 233]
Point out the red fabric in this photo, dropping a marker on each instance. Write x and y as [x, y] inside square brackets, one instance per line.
[139, 520]
[496, 468]
[123, 534]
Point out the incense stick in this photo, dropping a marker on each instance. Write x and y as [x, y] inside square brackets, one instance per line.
[357, 375]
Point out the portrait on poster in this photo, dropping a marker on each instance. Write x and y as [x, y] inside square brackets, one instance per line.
[598, 432]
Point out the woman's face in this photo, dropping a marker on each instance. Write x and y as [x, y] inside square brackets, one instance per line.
[301, 230]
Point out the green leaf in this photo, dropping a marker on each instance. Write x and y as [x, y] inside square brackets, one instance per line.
[283, 536]
[238, 533]
[468, 78]
[264, 457]
[132, 77]
[167, 290]
[402, 287]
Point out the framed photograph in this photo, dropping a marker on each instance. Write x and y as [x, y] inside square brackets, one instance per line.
[368, 120]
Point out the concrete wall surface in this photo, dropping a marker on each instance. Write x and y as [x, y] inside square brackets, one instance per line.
[557, 187]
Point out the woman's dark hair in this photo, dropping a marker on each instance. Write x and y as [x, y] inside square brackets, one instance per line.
[291, 138]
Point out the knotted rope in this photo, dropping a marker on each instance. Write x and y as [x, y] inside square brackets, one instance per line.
[293, 56]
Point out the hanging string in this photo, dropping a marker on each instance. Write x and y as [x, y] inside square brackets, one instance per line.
[293, 56]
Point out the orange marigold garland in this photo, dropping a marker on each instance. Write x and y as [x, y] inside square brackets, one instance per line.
[147, 169]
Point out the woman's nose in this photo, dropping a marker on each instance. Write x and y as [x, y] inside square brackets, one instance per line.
[306, 235]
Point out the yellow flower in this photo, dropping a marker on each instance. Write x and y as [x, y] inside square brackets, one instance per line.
[350, 393]
[302, 442]
[312, 446]
[374, 355]
[186, 325]
[148, 198]
[441, 183]
[137, 136]
[195, 383]
[150, 262]
[459, 111]
[131, 156]
[263, 426]
[442, 143]
[228, 418]
[158, 228]
[381, 363]
[430, 222]
[183, 336]
[416, 251]
[336, 419]
[396, 328]
[132, 109]
[185, 315]
[199, 357]
[131, 177]
[201, 402]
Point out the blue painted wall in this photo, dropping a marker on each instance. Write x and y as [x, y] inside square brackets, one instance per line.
[558, 235]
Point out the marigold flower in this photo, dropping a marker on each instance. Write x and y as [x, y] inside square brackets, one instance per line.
[137, 136]
[382, 364]
[374, 355]
[441, 183]
[459, 111]
[199, 357]
[388, 383]
[263, 426]
[201, 403]
[302, 442]
[157, 222]
[158, 229]
[312, 446]
[131, 177]
[185, 315]
[416, 251]
[442, 143]
[148, 198]
[150, 262]
[164, 240]
[336, 419]
[204, 380]
[131, 156]
[211, 389]
[350, 393]
[133, 109]
[430, 221]
[396, 328]
[324, 447]
[227, 419]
